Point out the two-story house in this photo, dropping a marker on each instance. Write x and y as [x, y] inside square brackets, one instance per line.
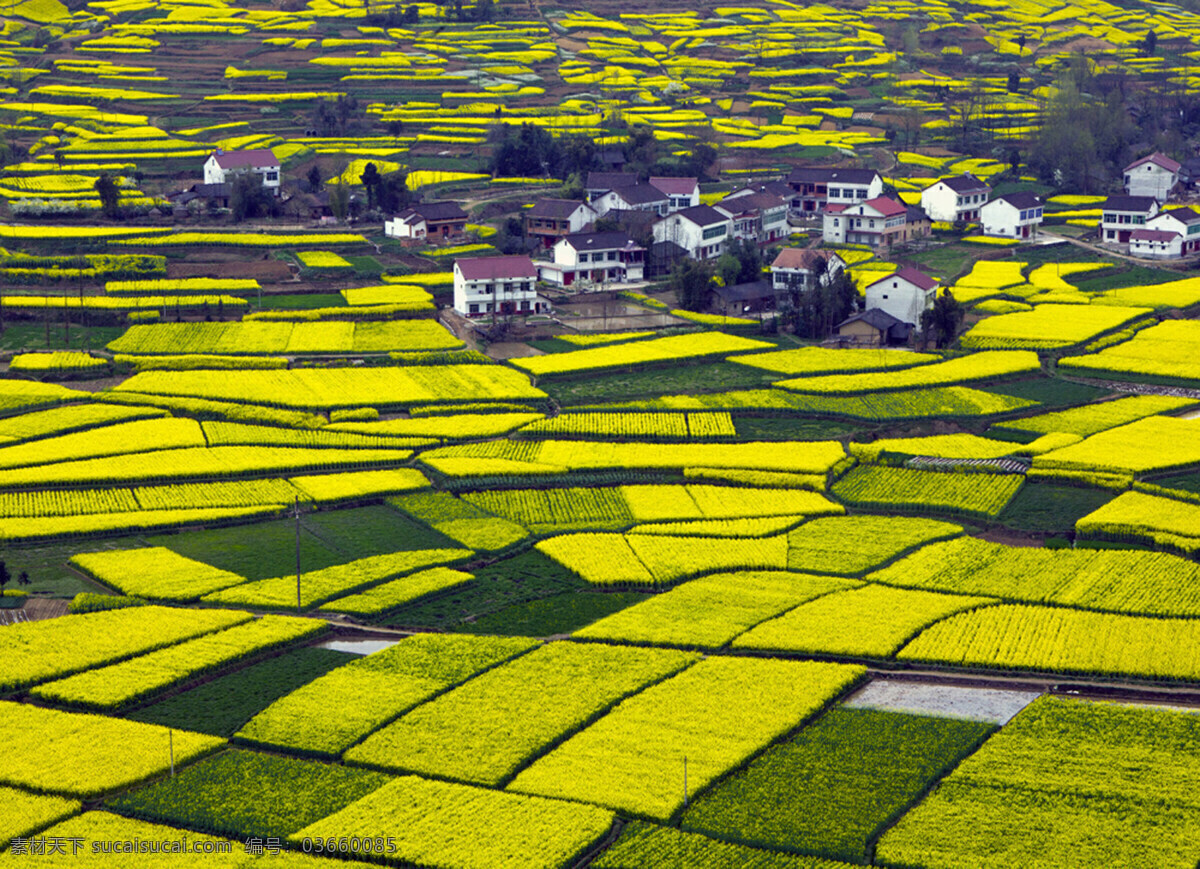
[495, 285]
[1121, 215]
[428, 221]
[551, 219]
[599, 183]
[1154, 175]
[636, 197]
[957, 198]
[701, 231]
[1013, 215]
[222, 166]
[796, 268]
[816, 188]
[599, 257]
[757, 217]
[1183, 221]
[878, 222]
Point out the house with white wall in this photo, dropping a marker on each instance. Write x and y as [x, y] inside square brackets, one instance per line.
[757, 217]
[701, 231]
[681, 192]
[796, 268]
[495, 285]
[956, 198]
[816, 187]
[904, 294]
[636, 197]
[1153, 175]
[428, 221]
[222, 167]
[1013, 215]
[1155, 244]
[1183, 221]
[878, 222]
[1121, 215]
[551, 219]
[599, 257]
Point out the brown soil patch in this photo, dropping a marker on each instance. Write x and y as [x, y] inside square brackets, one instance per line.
[270, 271]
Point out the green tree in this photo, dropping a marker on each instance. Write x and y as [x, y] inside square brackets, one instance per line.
[692, 280]
[314, 178]
[1150, 42]
[339, 200]
[370, 180]
[110, 196]
[23, 578]
[5, 577]
[249, 199]
[943, 319]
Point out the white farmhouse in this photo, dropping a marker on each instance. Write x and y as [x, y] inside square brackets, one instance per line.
[796, 268]
[1121, 215]
[815, 188]
[904, 294]
[757, 217]
[958, 197]
[1014, 215]
[681, 192]
[600, 257]
[1155, 175]
[1155, 243]
[221, 166]
[636, 197]
[702, 231]
[495, 285]
[1184, 221]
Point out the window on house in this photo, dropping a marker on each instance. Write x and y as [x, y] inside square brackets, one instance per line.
[835, 191]
[473, 309]
[583, 257]
[488, 288]
[612, 255]
[272, 176]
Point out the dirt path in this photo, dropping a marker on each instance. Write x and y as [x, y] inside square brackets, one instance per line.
[1138, 261]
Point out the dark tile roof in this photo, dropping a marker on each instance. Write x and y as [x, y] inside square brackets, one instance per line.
[701, 215]
[609, 180]
[965, 183]
[1185, 214]
[1022, 199]
[1130, 203]
[599, 240]
[559, 209]
[440, 211]
[876, 317]
[830, 175]
[640, 194]
[746, 292]
[752, 202]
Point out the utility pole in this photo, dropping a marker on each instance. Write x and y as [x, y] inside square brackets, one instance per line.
[299, 606]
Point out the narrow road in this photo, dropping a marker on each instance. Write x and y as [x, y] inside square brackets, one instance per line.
[1179, 264]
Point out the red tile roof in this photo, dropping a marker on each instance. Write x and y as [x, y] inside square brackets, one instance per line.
[914, 277]
[1153, 235]
[258, 158]
[1158, 160]
[887, 206]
